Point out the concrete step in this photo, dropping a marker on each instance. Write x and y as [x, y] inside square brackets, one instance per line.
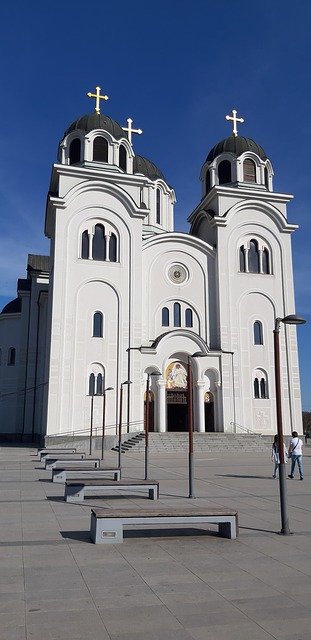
[209, 442]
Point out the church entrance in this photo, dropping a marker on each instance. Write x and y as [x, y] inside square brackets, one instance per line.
[177, 406]
[209, 411]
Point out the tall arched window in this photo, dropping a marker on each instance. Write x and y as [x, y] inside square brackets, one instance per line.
[92, 385]
[113, 248]
[177, 315]
[158, 207]
[75, 151]
[165, 317]
[260, 385]
[122, 157]
[242, 259]
[85, 245]
[224, 172]
[249, 170]
[263, 388]
[188, 318]
[265, 261]
[99, 243]
[11, 356]
[99, 385]
[266, 178]
[258, 332]
[256, 388]
[207, 182]
[100, 149]
[253, 257]
[98, 325]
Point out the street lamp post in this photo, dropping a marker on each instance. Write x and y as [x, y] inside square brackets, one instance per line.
[104, 418]
[291, 319]
[91, 423]
[198, 354]
[120, 422]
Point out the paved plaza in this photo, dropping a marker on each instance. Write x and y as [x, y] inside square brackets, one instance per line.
[178, 584]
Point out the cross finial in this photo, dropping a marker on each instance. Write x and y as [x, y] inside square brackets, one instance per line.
[235, 120]
[98, 98]
[130, 130]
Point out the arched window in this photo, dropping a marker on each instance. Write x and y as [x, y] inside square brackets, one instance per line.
[165, 317]
[266, 178]
[256, 388]
[85, 245]
[75, 151]
[99, 385]
[122, 157]
[263, 388]
[249, 170]
[207, 182]
[177, 315]
[253, 257]
[98, 325]
[265, 261]
[224, 172]
[92, 385]
[158, 207]
[188, 318]
[100, 149]
[99, 243]
[113, 248]
[11, 356]
[242, 259]
[258, 332]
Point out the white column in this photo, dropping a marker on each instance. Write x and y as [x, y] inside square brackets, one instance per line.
[161, 406]
[199, 413]
[91, 236]
[107, 241]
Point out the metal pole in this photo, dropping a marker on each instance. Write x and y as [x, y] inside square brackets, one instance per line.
[282, 473]
[147, 427]
[190, 430]
[91, 426]
[120, 429]
[104, 423]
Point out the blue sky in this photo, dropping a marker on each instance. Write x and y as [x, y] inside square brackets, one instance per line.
[177, 67]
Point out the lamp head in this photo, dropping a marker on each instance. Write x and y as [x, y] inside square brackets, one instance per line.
[293, 319]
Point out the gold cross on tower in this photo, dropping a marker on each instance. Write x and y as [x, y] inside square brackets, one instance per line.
[130, 130]
[235, 120]
[98, 98]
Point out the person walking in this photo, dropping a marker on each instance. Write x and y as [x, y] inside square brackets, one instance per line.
[295, 453]
[275, 455]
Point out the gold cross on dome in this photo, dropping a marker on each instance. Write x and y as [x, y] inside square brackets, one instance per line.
[234, 120]
[130, 130]
[98, 98]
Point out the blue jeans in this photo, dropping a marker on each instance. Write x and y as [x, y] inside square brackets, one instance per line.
[297, 459]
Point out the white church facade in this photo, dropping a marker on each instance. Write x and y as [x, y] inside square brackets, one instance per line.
[123, 300]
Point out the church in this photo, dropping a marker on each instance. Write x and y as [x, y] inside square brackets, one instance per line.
[124, 308]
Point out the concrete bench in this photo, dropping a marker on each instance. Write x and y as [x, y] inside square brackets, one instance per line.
[107, 524]
[53, 457]
[76, 489]
[86, 463]
[42, 453]
[68, 473]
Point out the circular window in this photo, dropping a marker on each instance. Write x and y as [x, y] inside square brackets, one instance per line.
[178, 274]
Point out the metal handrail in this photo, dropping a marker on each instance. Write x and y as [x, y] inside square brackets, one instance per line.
[235, 426]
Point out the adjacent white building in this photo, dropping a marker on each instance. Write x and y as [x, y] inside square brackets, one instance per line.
[122, 295]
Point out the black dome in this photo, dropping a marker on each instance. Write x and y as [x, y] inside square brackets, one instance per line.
[97, 121]
[15, 306]
[147, 168]
[236, 145]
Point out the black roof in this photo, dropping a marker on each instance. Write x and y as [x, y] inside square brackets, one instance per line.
[236, 145]
[15, 306]
[88, 123]
[147, 168]
[38, 263]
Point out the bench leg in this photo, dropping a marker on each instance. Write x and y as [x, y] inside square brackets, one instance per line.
[106, 531]
[116, 475]
[74, 494]
[227, 529]
[153, 494]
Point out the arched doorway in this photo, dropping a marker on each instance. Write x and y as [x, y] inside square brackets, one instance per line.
[177, 396]
[151, 410]
[209, 411]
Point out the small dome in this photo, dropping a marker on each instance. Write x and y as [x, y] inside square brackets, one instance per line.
[147, 168]
[97, 121]
[236, 145]
[15, 306]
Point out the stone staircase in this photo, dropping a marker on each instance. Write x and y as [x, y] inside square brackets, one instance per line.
[202, 442]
